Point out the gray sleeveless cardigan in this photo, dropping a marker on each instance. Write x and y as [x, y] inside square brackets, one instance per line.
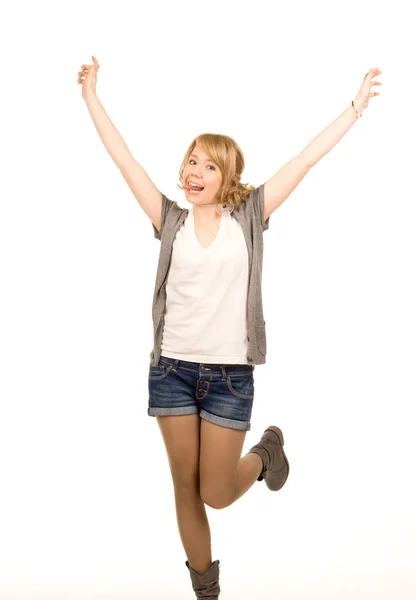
[250, 215]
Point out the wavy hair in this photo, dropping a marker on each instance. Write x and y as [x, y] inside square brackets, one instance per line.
[229, 158]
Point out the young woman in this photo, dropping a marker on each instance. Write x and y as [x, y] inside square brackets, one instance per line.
[209, 330]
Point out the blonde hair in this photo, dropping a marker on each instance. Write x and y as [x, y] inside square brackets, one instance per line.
[229, 158]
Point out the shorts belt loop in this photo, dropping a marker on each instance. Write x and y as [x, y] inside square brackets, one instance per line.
[224, 374]
[175, 366]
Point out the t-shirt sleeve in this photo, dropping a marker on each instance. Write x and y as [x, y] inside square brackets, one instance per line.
[166, 207]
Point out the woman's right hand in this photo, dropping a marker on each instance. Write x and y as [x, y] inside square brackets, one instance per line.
[87, 77]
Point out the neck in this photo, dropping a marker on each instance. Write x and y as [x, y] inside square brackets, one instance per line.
[205, 213]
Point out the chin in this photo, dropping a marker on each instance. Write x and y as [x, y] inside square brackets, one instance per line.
[195, 199]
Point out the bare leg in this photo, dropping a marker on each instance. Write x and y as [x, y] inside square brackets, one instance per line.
[249, 468]
[194, 529]
[181, 435]
[225, 474]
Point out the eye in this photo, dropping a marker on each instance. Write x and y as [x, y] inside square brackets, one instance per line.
[191, 160]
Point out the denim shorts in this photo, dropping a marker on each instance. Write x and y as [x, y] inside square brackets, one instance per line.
[220, 394]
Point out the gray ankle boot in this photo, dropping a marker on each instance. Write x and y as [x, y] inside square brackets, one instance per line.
[206, 586]
[275, 464]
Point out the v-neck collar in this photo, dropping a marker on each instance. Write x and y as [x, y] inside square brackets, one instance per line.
[214, 241]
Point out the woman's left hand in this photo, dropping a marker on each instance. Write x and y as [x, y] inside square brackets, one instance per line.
[365, 93]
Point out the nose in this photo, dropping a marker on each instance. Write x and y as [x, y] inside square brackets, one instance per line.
[196, 178]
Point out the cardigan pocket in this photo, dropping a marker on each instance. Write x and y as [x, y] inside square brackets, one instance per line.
[261, 338]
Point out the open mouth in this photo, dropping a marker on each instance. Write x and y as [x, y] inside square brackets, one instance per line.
[193, 189]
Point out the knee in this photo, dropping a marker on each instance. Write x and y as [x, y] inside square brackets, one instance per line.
[215, 499]
[186, 488]
[185, 482]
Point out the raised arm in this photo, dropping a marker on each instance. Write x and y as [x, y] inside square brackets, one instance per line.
[143, 188]
[282, 184]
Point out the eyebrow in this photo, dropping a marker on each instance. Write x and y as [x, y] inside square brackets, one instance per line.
[206, 159]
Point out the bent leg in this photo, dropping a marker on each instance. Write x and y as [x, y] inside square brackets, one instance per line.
[181, 435]
[224, 474]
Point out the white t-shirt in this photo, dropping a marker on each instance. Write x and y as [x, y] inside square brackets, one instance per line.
[206, 301]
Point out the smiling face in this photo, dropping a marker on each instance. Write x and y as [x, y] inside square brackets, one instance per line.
[203, 171]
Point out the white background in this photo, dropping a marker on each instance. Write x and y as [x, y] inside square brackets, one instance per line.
[86, 506]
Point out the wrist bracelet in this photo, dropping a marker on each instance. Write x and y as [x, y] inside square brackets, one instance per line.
[357, 112]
